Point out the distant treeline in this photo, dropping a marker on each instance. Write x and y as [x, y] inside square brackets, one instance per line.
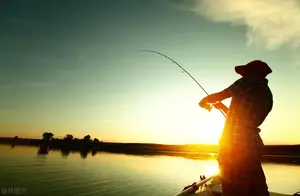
[277, 153]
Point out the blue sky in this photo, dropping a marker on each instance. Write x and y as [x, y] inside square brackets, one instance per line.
[75, 67]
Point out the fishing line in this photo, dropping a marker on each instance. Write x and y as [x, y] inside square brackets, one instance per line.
[184, 70]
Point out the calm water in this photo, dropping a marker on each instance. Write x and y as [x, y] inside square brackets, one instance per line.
[24, 171]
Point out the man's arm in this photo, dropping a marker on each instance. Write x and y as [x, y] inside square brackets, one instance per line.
[236, 89]
[216, 97]
[221, 106]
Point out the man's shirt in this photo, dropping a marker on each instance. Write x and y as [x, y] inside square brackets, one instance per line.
[252, 100]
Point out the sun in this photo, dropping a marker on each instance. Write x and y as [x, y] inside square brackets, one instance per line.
[209, 128]
[172, 123]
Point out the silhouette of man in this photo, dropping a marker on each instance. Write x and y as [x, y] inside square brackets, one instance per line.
[240, 145]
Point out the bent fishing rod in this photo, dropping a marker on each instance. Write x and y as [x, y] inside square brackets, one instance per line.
[184, 70]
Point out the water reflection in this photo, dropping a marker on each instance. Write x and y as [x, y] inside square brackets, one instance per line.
[93, 172]
[85, 150]
[43, 150]
[84, 153]
[66, 151]
[212, 170]
[94, 152]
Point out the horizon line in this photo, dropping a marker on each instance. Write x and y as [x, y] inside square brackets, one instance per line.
[153, 143]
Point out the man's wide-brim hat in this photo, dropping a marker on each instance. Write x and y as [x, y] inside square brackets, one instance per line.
[256, 67]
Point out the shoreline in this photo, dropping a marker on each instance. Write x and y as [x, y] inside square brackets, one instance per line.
[272, 153]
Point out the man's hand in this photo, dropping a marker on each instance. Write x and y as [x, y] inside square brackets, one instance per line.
[215, 98]
[204, 104]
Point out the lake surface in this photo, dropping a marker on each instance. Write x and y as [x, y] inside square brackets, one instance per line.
[23, 171]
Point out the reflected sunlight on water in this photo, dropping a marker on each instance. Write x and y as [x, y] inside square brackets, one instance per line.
[212, 170]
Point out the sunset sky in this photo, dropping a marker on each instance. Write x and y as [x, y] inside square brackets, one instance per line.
[75, 67]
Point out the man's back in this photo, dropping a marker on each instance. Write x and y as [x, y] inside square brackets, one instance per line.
[251, 102]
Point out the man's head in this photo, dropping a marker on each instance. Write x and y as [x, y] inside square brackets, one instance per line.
[254, 68]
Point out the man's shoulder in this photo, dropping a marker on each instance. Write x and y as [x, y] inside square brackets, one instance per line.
[240, 86]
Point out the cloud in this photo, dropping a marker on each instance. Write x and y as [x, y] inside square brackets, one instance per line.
[271, 23]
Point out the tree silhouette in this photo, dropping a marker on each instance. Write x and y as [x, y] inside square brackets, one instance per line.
[96, 140]
[69, 137]
[87, 138]
[48, 136]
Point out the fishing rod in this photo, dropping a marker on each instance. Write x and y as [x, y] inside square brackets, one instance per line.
[184, 70]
